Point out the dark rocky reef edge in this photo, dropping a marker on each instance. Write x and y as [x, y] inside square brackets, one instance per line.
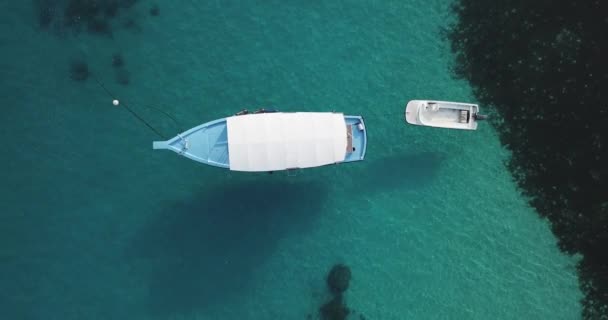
[540, 65]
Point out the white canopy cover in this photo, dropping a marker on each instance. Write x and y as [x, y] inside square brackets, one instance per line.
[279, 141]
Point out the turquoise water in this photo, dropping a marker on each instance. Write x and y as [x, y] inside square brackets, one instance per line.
[96, 225]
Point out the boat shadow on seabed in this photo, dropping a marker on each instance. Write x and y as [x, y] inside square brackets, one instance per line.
[200, 251]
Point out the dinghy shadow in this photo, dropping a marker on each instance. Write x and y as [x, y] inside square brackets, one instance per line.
[202, 251]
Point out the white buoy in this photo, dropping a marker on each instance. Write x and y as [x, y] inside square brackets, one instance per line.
[115, 102]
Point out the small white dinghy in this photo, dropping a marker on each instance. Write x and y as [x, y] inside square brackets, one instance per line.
[443, 114]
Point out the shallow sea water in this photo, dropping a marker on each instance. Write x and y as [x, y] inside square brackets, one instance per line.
[96, 225]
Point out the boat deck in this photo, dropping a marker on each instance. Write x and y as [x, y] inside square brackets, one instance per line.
[457, 117]
[207, 143]
[446, 115]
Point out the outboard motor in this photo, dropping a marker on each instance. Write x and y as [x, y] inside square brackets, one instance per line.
[478, 116]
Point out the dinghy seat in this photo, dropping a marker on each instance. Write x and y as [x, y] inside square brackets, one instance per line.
[464, 116]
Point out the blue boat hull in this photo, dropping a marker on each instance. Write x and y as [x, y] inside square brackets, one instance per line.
[208, 142]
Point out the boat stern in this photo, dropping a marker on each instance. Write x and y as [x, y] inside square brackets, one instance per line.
[357, 138]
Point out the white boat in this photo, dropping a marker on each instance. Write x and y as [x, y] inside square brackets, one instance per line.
[273, 141]
[443, 114]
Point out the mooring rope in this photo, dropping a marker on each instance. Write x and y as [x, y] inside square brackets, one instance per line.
[117, 102]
